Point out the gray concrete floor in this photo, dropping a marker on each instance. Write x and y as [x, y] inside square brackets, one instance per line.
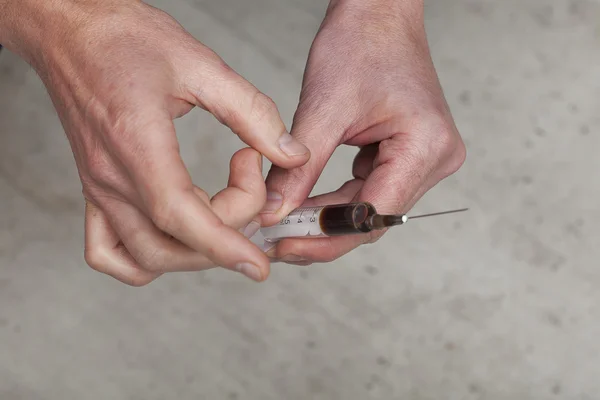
[503, 304]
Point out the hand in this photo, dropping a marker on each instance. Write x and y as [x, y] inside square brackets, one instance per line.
[369, 82]
[118, 73]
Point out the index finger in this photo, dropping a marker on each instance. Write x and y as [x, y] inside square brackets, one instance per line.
[238, 104]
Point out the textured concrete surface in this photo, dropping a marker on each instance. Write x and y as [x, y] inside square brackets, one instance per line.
[503, 304]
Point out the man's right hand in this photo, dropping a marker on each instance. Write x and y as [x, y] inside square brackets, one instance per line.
[118, 73]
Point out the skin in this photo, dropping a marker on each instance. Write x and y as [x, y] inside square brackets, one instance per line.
[374, 56]
[119, 72]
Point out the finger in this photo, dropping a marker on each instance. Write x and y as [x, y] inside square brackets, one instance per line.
[245, 194]
[303, 251]
[394, 182]
[287, 189]
[170, 201]
[363, 162]
[408, 164]
[106, 254]
[306, 251]
[401, 169]
[249, 113]
[398, 176]
[153, 250]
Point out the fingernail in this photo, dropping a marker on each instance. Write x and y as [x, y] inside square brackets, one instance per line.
[300, 263]
[293, 258]
[251, 229]
[250, 270]
[274, 203]
[272, 254]
[291, 146]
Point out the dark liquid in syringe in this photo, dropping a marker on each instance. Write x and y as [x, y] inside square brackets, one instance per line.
[345, 219]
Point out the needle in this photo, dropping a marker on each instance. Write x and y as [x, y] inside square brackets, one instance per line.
[379, 221]
[439, 213]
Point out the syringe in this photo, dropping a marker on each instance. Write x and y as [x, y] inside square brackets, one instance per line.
[336, 220]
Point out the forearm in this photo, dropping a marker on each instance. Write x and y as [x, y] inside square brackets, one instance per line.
[28, 27]
[20, 22]
[380, 20]
[410, 8]
[7, 11]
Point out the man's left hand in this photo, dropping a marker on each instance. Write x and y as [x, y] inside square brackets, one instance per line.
[369, 82]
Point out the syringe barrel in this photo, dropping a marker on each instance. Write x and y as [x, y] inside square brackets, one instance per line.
[331, 220]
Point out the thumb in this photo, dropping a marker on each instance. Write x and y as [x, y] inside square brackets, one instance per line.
[249, 113]
[288, 189]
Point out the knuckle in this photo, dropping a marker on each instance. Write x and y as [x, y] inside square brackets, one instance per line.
[436, 147]
[100, 170]
[445, 139]
[220, 67]
[163, 214]
[412, 154]
[262, 108]
[244, 163]
[228, 116]
[456, 158]
[151, 259]
[211, 253]
[97, 258]
[450, 150]
[202, 195]
[163, 219]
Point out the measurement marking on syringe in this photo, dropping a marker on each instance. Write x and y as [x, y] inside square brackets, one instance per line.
[298, 217]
